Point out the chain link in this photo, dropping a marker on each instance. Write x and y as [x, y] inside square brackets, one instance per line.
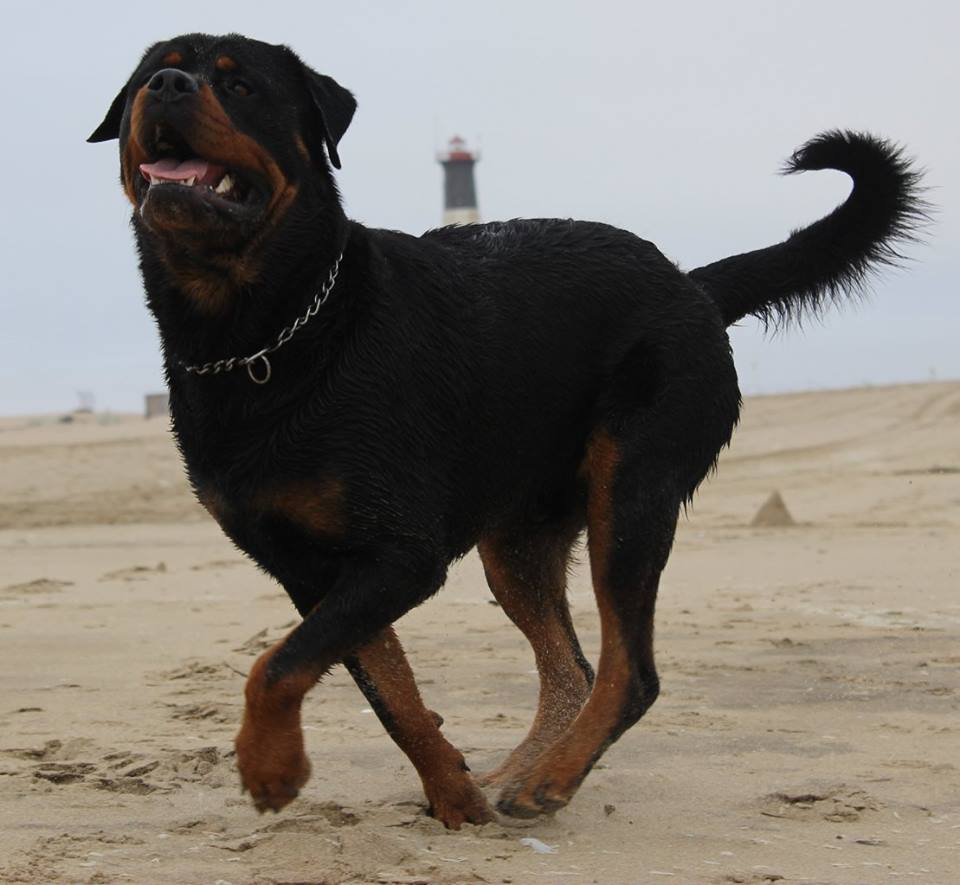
[229, 364]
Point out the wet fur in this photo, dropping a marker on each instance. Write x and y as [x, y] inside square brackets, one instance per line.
[506, 383]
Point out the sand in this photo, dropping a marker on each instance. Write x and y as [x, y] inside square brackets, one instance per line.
[808, 729]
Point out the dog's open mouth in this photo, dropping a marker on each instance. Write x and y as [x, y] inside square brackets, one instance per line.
[176, 169]
[193, 173]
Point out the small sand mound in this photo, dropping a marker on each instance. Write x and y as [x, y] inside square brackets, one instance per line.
[773, 513]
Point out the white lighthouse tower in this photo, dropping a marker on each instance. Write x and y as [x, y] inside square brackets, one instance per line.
[459, 190]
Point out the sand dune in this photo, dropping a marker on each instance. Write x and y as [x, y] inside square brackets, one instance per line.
[808, 730]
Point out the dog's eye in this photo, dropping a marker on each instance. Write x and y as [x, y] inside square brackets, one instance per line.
[240, 87]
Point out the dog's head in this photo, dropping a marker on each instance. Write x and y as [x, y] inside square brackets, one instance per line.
[219, 138]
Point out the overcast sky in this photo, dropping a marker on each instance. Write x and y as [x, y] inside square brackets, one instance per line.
[669, 120]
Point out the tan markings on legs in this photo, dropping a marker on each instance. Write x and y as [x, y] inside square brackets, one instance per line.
[530, 585]
[270, 754]
[558, 772]
[453, 796]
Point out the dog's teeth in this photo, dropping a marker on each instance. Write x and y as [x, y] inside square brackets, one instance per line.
[190, 182]
[225, 184]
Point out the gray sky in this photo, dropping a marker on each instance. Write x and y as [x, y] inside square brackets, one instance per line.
[668, 120]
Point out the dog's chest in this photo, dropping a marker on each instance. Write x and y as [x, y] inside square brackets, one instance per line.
[277, 503]
[296, 531]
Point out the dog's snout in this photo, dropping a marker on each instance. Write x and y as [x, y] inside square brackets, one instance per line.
[172, 84]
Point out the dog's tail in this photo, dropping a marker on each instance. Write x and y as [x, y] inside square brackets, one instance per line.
[832, 258]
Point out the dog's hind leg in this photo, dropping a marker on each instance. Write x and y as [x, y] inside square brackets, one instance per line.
[382, 673]
[527, 572]
[642, 463]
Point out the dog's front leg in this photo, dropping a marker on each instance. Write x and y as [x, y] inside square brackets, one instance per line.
[368, 596]
[270, 755]
[383, 674]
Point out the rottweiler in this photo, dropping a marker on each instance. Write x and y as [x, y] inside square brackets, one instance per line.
[358, 408]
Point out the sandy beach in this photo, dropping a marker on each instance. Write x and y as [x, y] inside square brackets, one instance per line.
[808, 729]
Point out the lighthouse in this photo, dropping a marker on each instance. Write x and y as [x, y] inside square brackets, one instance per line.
[459, 190]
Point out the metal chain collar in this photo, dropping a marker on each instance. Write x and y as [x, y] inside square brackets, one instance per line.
[229, 364]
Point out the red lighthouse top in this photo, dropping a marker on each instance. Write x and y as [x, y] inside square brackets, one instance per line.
[457, 150]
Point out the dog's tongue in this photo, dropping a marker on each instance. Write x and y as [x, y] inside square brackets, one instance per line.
[175, 170]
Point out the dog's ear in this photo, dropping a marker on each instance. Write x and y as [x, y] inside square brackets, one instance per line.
[110, 127]
[335, 106]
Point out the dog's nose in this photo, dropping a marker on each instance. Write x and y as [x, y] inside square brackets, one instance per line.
[172, 84]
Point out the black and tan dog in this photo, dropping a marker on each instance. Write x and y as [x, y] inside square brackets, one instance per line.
[358, 408]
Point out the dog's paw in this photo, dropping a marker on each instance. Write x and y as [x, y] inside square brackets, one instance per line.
[531, 798]
[460, 803]
[273, 774]
[274, 787]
